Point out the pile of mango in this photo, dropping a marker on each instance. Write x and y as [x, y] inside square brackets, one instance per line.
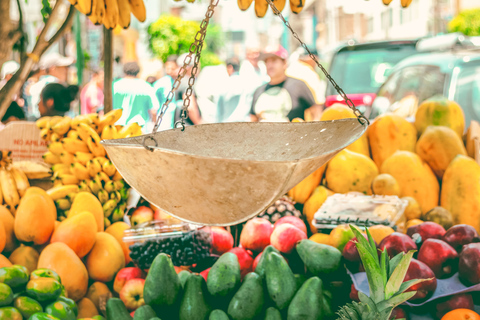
[35, 296]
[273, 291]
[80, 163]
[429, 163]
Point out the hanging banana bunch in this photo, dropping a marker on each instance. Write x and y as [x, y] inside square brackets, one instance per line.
[261, 6]
[111, 13]
[404, 3]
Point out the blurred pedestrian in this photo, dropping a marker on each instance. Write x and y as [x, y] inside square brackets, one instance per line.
[194, 115]
[91, 97]
[56, 98]
[171, 66]
[13, 113]
[283, 98]
[135, 96]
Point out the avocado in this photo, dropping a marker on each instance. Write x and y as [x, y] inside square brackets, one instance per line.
[260, 269]
[218, 314]
[320, 259]
[307, 305]
[281, 283]
[183, 276]
[116, 310]
[224, 279]
[248, 302]
[194, 305]
[273, 314]
[144, 313]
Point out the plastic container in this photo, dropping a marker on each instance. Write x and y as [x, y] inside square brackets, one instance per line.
[361, 210]
[187, 244]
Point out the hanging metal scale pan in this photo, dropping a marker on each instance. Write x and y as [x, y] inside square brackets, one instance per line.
[224, 174]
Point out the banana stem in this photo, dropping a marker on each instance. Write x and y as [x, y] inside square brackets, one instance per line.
[108, 65]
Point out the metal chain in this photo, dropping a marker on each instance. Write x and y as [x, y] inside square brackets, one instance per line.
[361, 118]
[195, 51]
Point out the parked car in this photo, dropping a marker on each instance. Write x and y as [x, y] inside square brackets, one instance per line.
[455, 75]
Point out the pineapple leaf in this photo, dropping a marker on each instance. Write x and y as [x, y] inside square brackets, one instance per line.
[396, 280]
[396, 300]
[367, 301]
[370, 240]
[361, 240]
[394, 262]
[386, 313]
[407, 284]
[384, 267]
[348, 312]
[372, 268]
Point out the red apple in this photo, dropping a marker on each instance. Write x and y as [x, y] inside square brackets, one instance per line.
[350, 251]
[255, 262]
[397, 242]
[256, 234]
[427, 230]
[399, 313]
[132, 293]
[244, 259]
[354, 293]
[285, 237]
[222, 240]
[460, 235]
[457, 301]
[297, 222]
[140, 215]
[469, 265]
[204, 273]
[440, 257]
[419, 270]
[126, 274]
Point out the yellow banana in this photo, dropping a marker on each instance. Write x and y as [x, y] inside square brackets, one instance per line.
[1, 194]
[63, 126]
[102, 160]
[79, 171]
[54, 120]
[21, 181]
[117, 176]
[42, 122]
[111, 14]
[244, 4]
[94, 117]
[124, 14]
[85, 131]
[62, 191]
[83, 186]
[73, 145]
[67, 179]
[60, 167]
[67, 157]
[9, 188]
[261, 7]
[57, 182]
[80, 119]
[12, 210]
[83, 157]
[101, 176]
[130, 128]
[280, 4]
[94, 186]
[55, 137]
[109, 168]
[71, 196]
[386, 2]
[50, 158]
[98, 12]
[108, 207]
[45, 134]
[73, 2]
[111, 117]
[116, 196]
[102, 195]
[63, 204]
[73, 134]
[93, 166]
[138, 9]
[117, 214]
[405, 3]
[109, 132]
[110, 186]
[56, 148]
[119, 184]
[96, 148]
[296, 6]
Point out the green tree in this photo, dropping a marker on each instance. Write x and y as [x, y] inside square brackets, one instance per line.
[172, 35]
[467, 22]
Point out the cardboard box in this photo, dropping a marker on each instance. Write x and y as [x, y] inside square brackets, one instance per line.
[23, 139]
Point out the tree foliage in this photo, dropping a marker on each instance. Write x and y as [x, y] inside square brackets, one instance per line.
[467, 22]
[171, 35]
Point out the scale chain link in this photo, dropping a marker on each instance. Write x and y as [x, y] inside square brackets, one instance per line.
[361, 118]
[195, 52]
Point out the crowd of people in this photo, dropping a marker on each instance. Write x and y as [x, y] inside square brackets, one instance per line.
[268, 85]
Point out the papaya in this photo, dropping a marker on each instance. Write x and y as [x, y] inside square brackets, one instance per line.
[60, 310]
[280, 280]
[8, 222]
[194, 305]
[389, 133]
[51, 205]
[319, 258]
[116, 310]
[350, 171]
[311, 206]
[86, 308]
[4, 262]
[64, 261]
[306, 303]
[105, 259]
[77, 232]
[34, 221]
[415, 178]
[99, 293]
[439, 111]
[341, 111]
[247, 303]
[43, 289]
[302, 191]
[85, 201]
[6, 295]
[385, 185]
[461, 191]
[25, 256]
[10, 313]
[437, 146]
[116, 230]
[27, 306]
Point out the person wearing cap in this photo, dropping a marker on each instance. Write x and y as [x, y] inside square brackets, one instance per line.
[283, 98]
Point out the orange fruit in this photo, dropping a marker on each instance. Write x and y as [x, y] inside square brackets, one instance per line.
[340, 236]
[321, 238]
[461, 314]
[379, 232]
[413, 222]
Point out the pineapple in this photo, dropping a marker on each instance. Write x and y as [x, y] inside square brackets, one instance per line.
[284, 206]
[385, 279]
